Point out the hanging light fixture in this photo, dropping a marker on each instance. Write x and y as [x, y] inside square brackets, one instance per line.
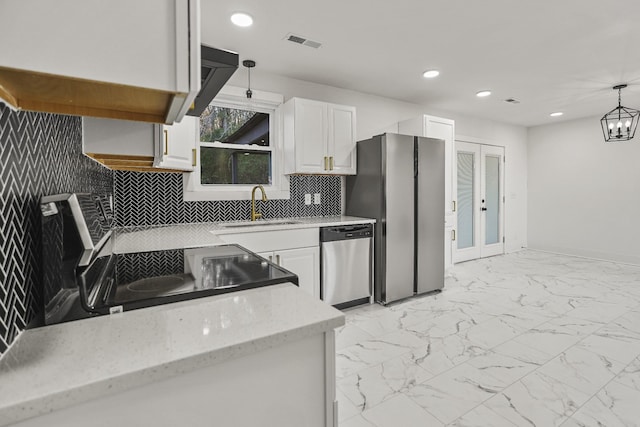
[620, 123]
[249, 64]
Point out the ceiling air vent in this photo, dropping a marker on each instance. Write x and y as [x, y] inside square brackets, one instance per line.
[303, 41]
[512, 101]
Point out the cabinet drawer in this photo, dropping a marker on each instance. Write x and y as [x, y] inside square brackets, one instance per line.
[263, 241]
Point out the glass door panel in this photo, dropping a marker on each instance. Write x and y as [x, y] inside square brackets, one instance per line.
[465, 203]
[492, 199]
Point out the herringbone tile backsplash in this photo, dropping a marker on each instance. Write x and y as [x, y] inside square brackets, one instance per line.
[156, 199]
[40, 154]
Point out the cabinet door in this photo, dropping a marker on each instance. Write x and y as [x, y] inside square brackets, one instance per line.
[310, 118]
[176, 144]
[305, 262]
[114, 59]
[341, 142]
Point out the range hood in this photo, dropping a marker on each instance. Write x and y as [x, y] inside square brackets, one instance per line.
[216, 66]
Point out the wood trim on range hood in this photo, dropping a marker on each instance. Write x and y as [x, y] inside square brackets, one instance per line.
[129, 163]
[27, 90]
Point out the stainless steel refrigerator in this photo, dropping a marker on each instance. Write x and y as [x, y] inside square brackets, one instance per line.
[400, 183]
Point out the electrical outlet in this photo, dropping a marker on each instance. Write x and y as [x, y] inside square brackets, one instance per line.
[316, 199]
[307, 199]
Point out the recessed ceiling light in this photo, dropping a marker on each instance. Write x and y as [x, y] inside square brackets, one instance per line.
[429, 74]
[242, 19]
[483, 93]
[556, 114]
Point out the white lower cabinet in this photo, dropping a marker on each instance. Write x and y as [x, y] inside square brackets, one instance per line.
[304, 262]
[290, 385]
[296, 250]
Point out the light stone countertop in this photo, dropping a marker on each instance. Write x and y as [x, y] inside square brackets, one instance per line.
[179, 236]
[57, 366]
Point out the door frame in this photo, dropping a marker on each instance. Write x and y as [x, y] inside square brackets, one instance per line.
[502, 180]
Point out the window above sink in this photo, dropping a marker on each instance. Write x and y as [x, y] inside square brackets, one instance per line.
[240, 145]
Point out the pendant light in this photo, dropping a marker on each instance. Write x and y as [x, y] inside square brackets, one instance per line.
[620, 123]
[249, 64]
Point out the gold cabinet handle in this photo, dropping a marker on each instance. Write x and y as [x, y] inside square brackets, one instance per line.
[331, 163]
[166, 142]
[453, 235]
[193, 152]
[326, 163]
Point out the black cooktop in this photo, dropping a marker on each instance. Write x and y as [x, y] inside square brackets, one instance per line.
[121, 282]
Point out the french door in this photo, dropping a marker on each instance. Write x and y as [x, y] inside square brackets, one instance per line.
[480, 201]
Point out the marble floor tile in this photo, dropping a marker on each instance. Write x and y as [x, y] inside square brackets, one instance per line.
[537, 400]
[400, 411]
[525, 339]
[387, 322]
[628, 324]
[346, 408]
[614, 406]
[582, 369]
[598, 312]
[630, 376]
[504, 368]
[523, 353]
[481, 416]
[452, 322]
[349, 335]
[374, 385]
[455, 392]
[525, 319]
[372, 352]
[549, 338]
[444, 353]
[612, 345]
[582, 326]
[356, 421]
[492, 332]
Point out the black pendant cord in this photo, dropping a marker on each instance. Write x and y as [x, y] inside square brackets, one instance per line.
[249, 64]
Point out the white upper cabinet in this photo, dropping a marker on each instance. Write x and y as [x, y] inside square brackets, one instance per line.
[176, 144]
[135, 60]
[342, 139]
[319, 137]
[141, 147]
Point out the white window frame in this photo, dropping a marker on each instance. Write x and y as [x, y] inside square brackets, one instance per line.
[264, 102]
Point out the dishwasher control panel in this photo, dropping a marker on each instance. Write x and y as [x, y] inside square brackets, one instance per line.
[344, 232]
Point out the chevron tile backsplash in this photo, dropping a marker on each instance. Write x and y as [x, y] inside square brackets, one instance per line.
[39, 154]
[156, 199]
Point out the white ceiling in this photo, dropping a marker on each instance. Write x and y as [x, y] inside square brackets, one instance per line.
[551, 55]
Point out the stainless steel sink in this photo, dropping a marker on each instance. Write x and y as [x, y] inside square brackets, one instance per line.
[257, 223]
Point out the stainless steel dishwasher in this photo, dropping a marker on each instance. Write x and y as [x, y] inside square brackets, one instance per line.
[345, 278]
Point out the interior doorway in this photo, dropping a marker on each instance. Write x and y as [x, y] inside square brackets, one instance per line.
[480, 201]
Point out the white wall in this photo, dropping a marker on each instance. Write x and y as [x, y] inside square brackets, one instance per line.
[377, 115]
[584, 194]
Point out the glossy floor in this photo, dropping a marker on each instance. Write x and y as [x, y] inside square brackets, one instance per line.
[525, 339]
